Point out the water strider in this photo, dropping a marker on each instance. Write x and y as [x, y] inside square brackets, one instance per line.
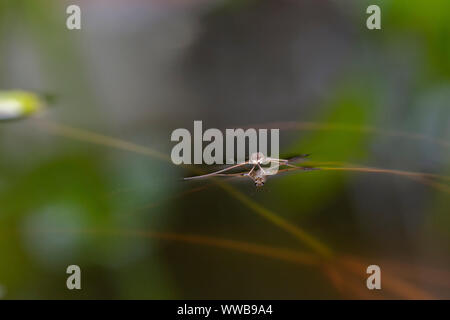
[257, 172]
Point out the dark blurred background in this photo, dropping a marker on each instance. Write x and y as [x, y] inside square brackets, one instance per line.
[139, 69]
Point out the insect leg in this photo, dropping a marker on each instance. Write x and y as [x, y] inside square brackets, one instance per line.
[217, 172]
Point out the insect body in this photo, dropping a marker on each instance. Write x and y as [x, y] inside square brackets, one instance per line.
[257, 172]
[258, 177]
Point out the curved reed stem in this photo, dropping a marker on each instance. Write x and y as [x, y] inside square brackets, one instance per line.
[272, 252]
[317, 126]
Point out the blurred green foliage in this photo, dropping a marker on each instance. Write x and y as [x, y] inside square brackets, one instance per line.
[307, 191]
[427, 23]
[57, 195]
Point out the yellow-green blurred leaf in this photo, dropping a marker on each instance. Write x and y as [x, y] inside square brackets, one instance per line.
[19, 104]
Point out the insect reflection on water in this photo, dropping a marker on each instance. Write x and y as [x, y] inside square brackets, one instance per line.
[255, 170]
